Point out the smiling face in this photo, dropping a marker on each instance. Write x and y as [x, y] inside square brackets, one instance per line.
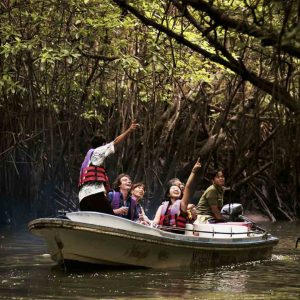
[125, 183]
[174, 192]
[179, 184]
[138, 192]
[177, 181]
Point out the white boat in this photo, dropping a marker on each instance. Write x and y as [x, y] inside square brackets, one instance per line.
[98, 238]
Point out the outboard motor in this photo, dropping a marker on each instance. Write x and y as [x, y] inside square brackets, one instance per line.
[232, 211]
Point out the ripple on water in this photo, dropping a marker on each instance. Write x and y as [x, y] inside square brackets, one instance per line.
[27, 272]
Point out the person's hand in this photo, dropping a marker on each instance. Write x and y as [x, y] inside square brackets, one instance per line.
[145, 223]
[134, 125]
[191, 209]
[121, 211]
[153, 224]
[197, 166]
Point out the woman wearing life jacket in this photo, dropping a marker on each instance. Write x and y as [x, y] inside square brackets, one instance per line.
[93, 181]
[137, 193]
[122, 203]
[173, 212]
[191, 209]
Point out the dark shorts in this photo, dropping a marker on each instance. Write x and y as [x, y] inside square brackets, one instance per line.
[97, 202]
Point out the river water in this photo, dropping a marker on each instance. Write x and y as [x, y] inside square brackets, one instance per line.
[27, 272]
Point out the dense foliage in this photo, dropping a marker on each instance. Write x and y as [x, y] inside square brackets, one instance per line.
[217, 79]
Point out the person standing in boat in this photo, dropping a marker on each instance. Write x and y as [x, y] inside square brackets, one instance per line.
[93, 181]
[122, 204]
[137, 193]
[173, 211]
[210, 204]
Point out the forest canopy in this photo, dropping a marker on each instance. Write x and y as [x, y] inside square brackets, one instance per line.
[216, 79]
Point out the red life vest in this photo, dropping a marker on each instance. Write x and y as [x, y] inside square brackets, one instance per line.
[94, 174]
[91, 173]
[171, 216]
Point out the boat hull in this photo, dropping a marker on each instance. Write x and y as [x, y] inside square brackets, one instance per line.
[76, 241]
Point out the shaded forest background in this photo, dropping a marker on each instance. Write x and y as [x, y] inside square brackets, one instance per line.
[216, 79]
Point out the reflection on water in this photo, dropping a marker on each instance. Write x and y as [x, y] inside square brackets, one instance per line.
[27, 272]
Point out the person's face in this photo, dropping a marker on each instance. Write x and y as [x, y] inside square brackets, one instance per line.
[174, 192]
[179, 184]
[219, 179]
[125, 183]
[138, 192]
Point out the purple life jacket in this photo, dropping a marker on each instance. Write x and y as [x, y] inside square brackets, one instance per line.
[87, 160]
[116, 203]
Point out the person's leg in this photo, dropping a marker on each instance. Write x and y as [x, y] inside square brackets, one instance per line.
[84, 204]
[97, 202]
[104, 205]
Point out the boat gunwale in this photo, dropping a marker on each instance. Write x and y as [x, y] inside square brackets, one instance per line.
[189, 242]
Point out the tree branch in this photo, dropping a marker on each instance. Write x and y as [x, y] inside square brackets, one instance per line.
[278, 92]
[96, 56]
[221, 19]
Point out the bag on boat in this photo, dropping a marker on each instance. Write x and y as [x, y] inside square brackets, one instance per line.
[232, 211]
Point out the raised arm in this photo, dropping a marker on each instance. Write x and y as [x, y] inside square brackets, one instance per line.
[188, 187]
[124, 135]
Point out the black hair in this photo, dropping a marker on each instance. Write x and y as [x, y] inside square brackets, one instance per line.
[97, 141]
[212, 174]
[117, 182]
[167, 196]
[173, 180]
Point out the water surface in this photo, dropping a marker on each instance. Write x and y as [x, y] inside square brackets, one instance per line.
[27, 272]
